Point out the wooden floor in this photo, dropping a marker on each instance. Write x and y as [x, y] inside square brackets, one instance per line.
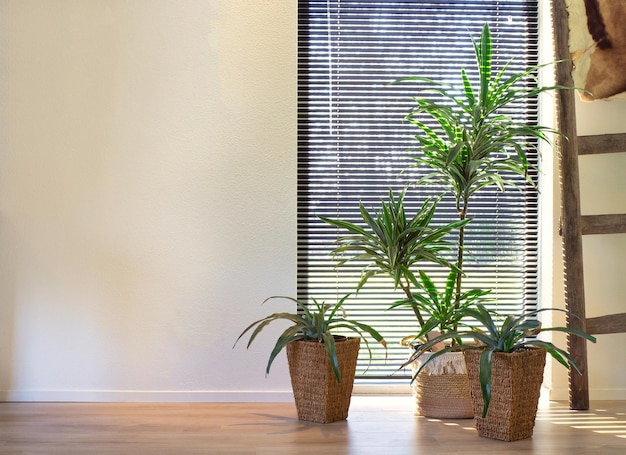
[376, 425]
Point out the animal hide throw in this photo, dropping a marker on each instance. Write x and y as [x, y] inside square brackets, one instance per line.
[598, 47]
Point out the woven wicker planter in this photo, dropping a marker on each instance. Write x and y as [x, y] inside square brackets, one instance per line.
[442, 389]
[319, 397]
[515, 386]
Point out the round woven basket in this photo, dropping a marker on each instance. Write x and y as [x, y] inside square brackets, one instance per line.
[442, 390]
[318, 396]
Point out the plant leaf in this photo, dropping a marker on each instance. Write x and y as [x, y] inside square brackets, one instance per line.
[484, 374]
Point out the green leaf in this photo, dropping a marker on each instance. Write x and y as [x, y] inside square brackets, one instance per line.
[572, 331]
[289, 335]
[469, 91]
[484, 63]
[331, 351]
[338, 306]
[484, 375]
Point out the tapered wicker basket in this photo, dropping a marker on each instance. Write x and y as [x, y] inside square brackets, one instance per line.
[515, 387]
[319, 397]
[441, 390]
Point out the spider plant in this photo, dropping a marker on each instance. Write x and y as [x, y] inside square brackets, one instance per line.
[474, 142]
[315, 321]
[514, 333]
[391, 243]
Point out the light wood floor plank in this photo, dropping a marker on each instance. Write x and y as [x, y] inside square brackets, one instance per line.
[376, 425]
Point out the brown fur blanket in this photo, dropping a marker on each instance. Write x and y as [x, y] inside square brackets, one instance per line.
[598, 47]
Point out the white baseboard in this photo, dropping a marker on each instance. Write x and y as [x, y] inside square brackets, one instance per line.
[226, 396]
[146, 396]
[178, 396]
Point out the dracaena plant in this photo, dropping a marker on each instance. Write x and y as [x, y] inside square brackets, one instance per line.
[443, 307]
[317, 321]
[391, 243]
[473, 141]
[509, 334]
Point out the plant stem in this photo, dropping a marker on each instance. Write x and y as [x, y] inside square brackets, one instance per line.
[407, 290]
[459, 259]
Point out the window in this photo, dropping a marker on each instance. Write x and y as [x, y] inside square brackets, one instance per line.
[353, 145]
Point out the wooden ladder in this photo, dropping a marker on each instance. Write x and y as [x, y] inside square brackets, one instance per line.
[573, 225]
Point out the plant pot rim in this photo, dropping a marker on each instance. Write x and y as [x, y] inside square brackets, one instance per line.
[520, 350]
[338, 338]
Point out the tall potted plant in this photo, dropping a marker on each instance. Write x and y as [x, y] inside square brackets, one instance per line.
[475, 143]
[505, 368]
[468, 141]
[322, 364]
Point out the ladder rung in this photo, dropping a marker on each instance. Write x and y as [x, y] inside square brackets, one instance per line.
[611, 323]
[603, 224]
[602, 143]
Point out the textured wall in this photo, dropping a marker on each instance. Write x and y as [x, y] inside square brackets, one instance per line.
[147, 195]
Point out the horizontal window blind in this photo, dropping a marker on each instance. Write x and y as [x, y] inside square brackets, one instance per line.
[353, 145]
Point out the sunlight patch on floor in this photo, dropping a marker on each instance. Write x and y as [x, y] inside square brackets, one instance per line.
[598, 421]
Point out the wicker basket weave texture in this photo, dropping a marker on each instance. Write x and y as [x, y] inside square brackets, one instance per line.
[318, 396]
[515, 387]
[442, 391]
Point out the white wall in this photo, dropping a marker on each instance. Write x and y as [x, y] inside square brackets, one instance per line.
[147, 196]
[603, 191]
[147, 200]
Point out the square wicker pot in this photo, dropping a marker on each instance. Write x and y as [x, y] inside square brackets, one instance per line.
[319, 397]
[515, 386]
[441, 390]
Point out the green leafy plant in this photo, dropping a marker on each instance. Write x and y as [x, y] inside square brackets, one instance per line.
[313, 322]
[475, 143]
[443, 307]
[512, 334]
[391, 243]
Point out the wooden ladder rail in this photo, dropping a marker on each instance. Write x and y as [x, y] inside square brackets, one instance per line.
[573, 224]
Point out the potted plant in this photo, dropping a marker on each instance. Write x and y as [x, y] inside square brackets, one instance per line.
[322, 364]
[441, 390]
[475, 143]
[505, 368]
[391, 243]
[468, 141]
